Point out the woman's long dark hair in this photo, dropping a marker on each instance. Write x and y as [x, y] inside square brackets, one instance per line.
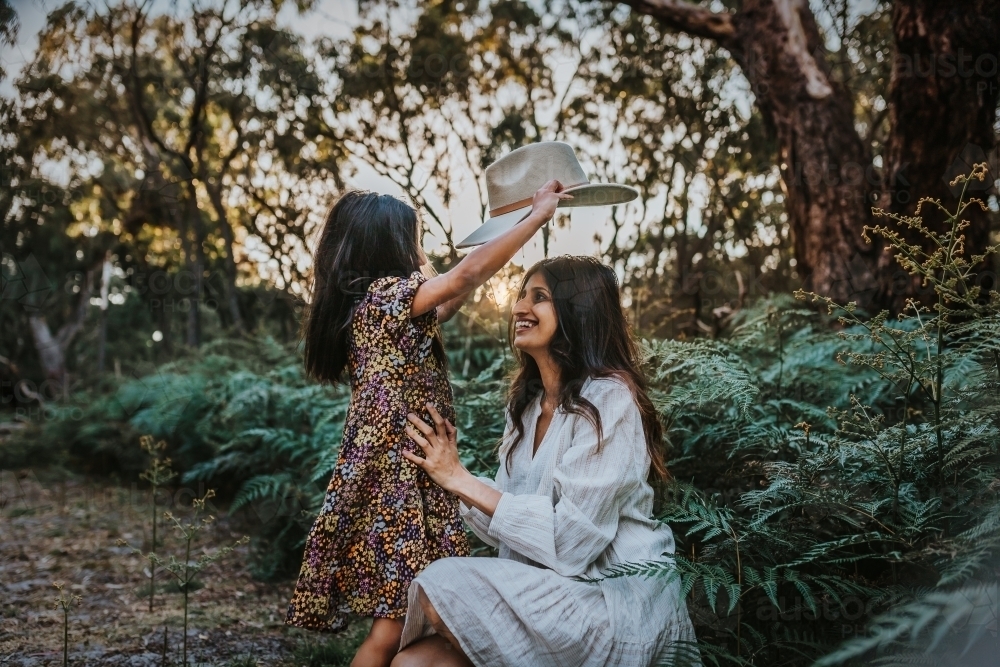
[593, 339]
[366, 236]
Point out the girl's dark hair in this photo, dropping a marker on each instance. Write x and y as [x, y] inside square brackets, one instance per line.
[593, 339]
[366, 236]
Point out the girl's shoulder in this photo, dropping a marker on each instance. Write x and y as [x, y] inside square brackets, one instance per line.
[395, 284]
[392, 295]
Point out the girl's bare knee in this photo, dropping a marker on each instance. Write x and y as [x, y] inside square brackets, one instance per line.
[386, 629]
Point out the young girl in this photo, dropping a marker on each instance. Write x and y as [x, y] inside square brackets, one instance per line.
[375, 315]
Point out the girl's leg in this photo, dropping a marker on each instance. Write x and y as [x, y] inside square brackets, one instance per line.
[381, 644]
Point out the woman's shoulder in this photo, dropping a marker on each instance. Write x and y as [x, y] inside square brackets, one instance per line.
[609, 388]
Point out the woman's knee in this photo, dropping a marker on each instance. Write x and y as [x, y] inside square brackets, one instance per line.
[432, 651]
[407, 658]
[429, 611]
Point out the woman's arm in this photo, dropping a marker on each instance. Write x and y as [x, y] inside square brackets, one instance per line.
[474, 493]
[479, 265]
[590, 482]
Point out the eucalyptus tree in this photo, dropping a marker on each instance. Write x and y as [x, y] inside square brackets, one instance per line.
[429, 94]
[201, 122]
[661, 111]
[938, 84]
[47, 276]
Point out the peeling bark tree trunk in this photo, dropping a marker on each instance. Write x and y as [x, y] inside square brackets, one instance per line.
[827, 172]
[52, 349]
[822, 159]
[942, 106]
[102, 335]
[50, 353]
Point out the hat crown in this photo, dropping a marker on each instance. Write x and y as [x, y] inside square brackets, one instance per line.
[516, 176]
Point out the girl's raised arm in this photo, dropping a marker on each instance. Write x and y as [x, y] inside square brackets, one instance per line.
[479, 265]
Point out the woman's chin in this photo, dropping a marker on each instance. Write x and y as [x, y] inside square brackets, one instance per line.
[522, 342]
[525, 344]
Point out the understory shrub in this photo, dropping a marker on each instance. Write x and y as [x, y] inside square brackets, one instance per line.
[835, 491]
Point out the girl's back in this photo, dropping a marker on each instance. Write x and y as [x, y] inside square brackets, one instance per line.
[383, 517]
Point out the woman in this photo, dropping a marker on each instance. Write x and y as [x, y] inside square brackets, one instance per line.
[571, 499]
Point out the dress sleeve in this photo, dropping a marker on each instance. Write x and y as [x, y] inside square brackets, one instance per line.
[387, 309]
[477, 520]
[589, 484]
[390, 299]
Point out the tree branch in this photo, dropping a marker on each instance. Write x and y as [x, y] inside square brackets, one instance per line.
[690, 18]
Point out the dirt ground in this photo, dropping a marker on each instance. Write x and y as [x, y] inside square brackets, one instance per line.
[54, 531]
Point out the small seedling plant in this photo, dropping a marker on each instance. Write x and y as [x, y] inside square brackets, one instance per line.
[186, 570]
[64, 602]
[157, 474]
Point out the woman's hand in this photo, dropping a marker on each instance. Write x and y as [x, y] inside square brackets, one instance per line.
[545, 201]
[440, 447]
[440, 461]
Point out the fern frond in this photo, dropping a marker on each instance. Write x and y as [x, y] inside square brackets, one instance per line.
[968, 612]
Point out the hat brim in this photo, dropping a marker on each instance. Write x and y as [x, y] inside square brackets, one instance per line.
[588, 194]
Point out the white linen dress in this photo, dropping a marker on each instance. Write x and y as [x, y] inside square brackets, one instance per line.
[573, 509]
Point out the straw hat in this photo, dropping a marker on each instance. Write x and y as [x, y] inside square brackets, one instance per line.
[511, 183]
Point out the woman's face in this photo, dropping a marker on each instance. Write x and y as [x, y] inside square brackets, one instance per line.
[534, 314]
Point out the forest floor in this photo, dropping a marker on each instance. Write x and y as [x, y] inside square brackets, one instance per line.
[67, 531]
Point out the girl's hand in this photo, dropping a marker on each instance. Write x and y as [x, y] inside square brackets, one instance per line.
[545, 201]
[440, 447]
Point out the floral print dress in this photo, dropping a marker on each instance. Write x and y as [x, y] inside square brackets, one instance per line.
[383, 519]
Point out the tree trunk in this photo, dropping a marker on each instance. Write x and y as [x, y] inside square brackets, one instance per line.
[49, 353]
[822, 160]
[52, 349]
[827, 171]
[232, 297]
[102, 334]
[942, 106]
[178, 201]
[195, 261]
